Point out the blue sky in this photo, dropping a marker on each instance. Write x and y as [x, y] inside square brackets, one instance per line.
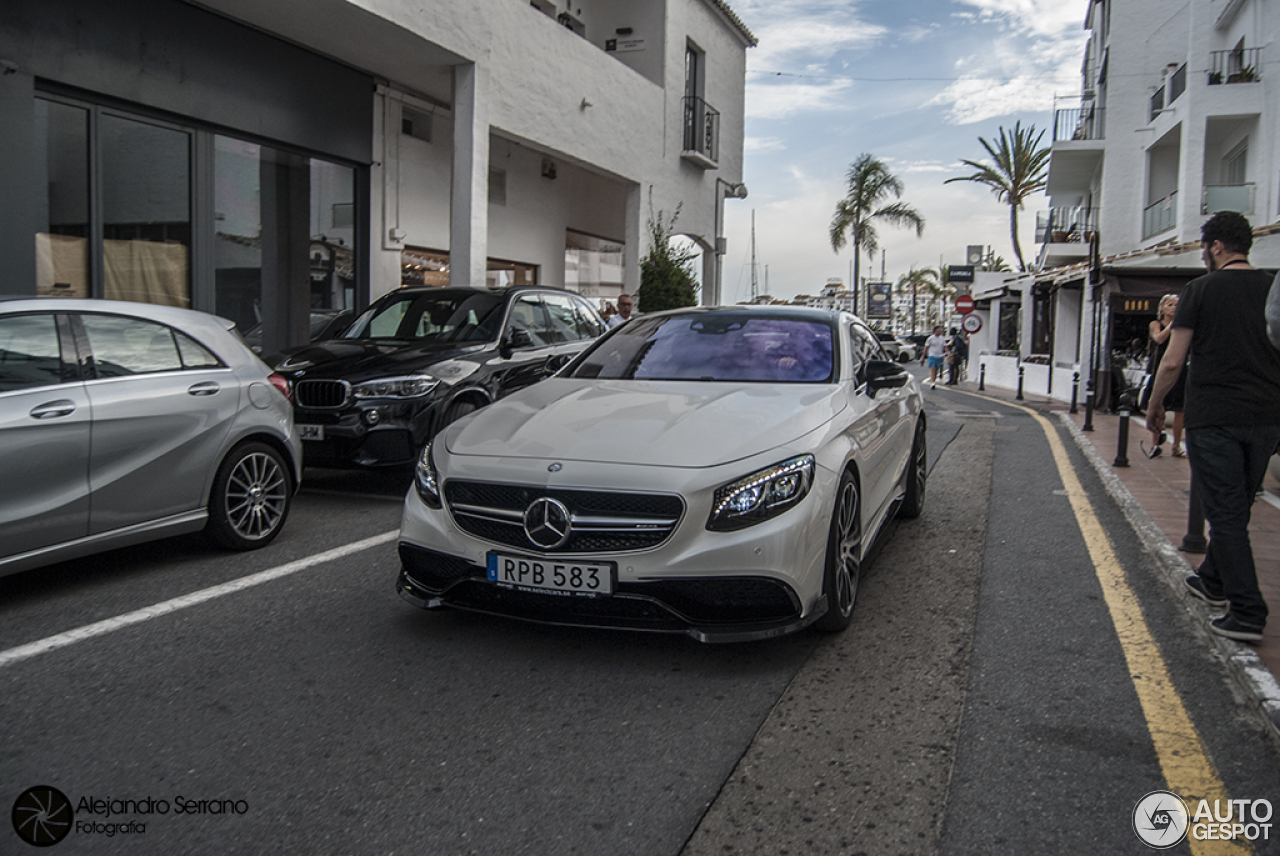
[913, 82]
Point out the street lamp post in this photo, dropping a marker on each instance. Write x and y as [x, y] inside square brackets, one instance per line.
[724, 189]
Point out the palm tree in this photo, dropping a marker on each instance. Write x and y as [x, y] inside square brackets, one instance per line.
[915, 279]
[870, 186]
[1017, 172]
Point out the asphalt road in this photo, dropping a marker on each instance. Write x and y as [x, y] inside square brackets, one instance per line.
[979, 703]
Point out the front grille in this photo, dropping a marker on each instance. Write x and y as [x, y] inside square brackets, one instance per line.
[667, 605]
[318, 394]
[602, 521]
[435, 571]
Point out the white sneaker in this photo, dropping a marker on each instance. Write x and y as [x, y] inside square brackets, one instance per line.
[933, 385]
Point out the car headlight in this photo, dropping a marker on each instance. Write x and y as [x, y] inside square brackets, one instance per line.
[410, 386]
[425, 480]
[761, 495]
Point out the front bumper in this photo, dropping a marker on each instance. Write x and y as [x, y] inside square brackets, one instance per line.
[395, 438]
[709, 609]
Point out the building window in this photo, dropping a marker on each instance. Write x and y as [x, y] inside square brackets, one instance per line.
[592, 265]
[62, 166]
[1233, 165]
[276, 229]
[259, 194]
[431, 267]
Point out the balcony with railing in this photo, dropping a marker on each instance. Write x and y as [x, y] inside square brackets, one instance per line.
[1157, 104]
[1160, 216]
[1066, 225]
[701, 133]
[1228, 197]
[1242, 65]
[1078, 123]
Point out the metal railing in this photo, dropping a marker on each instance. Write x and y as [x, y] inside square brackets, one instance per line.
[1157, 103]
[701, 128]
[1160, 216]
[1178, 83]
[1066, 225]
[1078, 123]
[1235, 66]
[1228, 197]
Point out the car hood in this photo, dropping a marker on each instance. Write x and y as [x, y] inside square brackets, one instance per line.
[360, 359]
[667, 423]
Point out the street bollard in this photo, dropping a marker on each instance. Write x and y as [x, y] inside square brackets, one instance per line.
[1022, 370]
[982, 378]
[1122, 445]
[1075, 391]
[1088, 406]
[1194, 541]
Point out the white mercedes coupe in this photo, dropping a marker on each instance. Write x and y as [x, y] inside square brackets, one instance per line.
[718, 472]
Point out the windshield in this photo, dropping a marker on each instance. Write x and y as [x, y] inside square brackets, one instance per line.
[729, 346]
[449, 316]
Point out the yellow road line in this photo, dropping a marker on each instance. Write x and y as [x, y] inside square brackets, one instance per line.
[1188, 769]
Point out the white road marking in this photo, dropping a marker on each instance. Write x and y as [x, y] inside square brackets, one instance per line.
[62, 640]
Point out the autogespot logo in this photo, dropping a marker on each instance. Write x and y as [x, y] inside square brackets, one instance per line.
[1160, 819]
[42, 816]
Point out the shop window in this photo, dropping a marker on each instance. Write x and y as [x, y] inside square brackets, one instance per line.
[62, 166]
[592, 265]
[431, 267]
[146, 212]
[1042, 323]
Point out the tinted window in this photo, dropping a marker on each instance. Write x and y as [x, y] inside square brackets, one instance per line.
[527, 314]
[29, 354]
[444, 317]
[194, 355]
[865, 346]
[570, 318]
[127, 346]
[739, 346]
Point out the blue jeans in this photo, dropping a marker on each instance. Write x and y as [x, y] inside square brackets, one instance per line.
[1228, 464]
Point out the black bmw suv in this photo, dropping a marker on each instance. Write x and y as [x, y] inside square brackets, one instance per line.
[419, 358]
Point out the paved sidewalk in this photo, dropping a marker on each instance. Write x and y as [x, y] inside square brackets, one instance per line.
[1156, 495]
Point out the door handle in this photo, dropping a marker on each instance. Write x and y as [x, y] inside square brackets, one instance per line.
[54, 409]
[208, 387]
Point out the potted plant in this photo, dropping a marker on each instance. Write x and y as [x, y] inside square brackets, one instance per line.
[1247, 74]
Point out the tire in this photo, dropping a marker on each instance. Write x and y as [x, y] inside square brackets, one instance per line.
[456, 411]
[844, 557]
[250, 498]
[917, 476]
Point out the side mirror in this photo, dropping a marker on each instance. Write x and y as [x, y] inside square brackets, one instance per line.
[883, 374]
[515, 340]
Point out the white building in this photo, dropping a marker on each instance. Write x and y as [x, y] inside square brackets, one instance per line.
[1178, 118]
[267, 158]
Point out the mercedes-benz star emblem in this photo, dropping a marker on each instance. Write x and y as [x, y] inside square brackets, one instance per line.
[546, 523]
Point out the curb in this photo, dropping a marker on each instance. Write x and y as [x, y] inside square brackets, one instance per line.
[1244, 664]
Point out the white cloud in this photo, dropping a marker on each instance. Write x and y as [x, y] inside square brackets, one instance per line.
[757, 145]
[1015, 76]
[793, 31]
[1035, 17]
[767, 99]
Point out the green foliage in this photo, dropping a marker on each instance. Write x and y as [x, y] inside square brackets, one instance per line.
[870, 186]
[1018, 169]
[666, 274]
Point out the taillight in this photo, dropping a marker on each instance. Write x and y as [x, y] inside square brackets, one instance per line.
[281, 383]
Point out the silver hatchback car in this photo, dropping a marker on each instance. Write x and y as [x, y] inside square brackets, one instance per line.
[127, 422]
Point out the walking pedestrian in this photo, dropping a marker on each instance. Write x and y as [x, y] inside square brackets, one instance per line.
[1159, 332]
[1232, 414]
[935, 351]
[957, 358]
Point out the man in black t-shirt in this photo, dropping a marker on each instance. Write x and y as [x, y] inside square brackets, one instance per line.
[1232, 414]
